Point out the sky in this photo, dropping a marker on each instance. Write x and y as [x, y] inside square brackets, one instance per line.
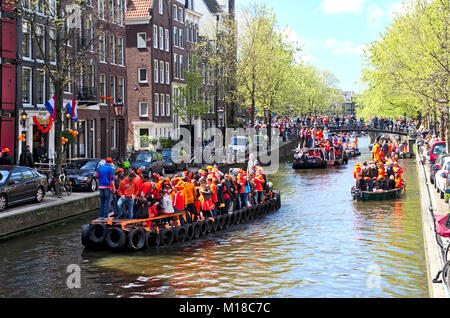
[333, 33]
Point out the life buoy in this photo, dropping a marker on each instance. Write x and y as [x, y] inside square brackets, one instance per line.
[97, 233]
[115, 238]
[136, 239]
[167, 236]
[152, 239]
[189, 231]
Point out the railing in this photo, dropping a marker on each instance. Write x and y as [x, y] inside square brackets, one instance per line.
[85, 93]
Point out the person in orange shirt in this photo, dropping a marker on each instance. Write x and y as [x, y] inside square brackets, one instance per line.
[258, 182]
[127, 193]
[213, 187]
[178, 202]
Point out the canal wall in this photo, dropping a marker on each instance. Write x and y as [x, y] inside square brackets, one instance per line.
[433, 254]
[22, 220]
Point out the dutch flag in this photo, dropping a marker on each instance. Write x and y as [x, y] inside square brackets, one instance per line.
[72, 109]
[50, 105]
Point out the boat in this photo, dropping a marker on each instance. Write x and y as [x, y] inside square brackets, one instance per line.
[359, 195]
[167, 229]
[353, 153]
[309, 158]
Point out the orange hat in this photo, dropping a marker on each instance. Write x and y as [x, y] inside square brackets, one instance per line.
[5, 150]
[109, 160]
[120, 170]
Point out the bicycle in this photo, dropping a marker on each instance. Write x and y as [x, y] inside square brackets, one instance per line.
[65, 184]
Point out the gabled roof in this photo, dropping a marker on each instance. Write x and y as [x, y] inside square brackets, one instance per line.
[213, 6]
[138, 9]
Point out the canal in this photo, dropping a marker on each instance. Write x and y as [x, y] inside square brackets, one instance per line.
[320, 244]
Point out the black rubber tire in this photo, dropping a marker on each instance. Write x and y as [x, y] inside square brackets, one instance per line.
[189, 232]
[180, 234]
[203, 228]
[152, 239]
[209, 226]
[167, 236]
[115, 238]
[232, 219]
[251, 213]
[85, 235]
[136, 239]
[221, 222]
[97, 233]
[247, 214]
[216, 224]
[238, 219]
[40, 194]
[229, 220]
[197, 229]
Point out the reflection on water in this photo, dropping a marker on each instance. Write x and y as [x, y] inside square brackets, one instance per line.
[320, 244]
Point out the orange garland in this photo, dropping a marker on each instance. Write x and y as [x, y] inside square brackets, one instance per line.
[43, 130]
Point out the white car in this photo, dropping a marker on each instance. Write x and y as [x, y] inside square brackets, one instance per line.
[441, 177]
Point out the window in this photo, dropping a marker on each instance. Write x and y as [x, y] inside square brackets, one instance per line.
[141, 40]
[161, 38]
[101, 9]
[181, 39]
[167, 40]
[111, 10]
[175, 66]
[175, 37]
[26, 40]
[40, 42]
[120, 11]
[161, 10]
[112, 92]
[168, 105]
[156, 71]
[120, 49]
[90, 76]
[175, 13]
[161, 71]
[90, 35]
[68, 87]
[121, 88]
[143, 109]
[144, 143]
[26, 86]
[102, 84]
[156, 104]
[142, 76]
[113, 133]
[180, 15]
[112, 49]
[155, 36]
[167, 74]
[163, 104]
[40, 86]
[181, 66]
[101, 44]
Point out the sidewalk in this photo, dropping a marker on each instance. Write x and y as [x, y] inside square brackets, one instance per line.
[433, 253]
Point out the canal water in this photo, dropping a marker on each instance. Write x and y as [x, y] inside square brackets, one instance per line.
[320, 244]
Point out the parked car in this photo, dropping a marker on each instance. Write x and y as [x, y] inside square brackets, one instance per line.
[439, 162]
[19, 185]
[441, 177]
[239, 144]
[173, 162]
[149, 162]
[436, 149]
[83, 172]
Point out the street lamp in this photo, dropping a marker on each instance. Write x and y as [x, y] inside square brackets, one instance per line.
[23, 118]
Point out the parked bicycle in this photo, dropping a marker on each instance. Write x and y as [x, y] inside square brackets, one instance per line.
[60, 185]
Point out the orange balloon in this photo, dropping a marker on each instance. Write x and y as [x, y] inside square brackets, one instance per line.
[70, 131]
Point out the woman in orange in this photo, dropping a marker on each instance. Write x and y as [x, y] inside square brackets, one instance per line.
[207, 205]
[258, 181]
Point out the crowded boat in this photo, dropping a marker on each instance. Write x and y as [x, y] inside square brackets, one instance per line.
[381, 178]
[318, 148]
[160, 210]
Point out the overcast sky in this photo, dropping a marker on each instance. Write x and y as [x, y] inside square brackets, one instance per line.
[334, 33]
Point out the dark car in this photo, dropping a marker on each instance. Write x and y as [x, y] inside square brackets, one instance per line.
[437, 166]
[149, 162]
[20, 184]
[82, 173]
[173, 162]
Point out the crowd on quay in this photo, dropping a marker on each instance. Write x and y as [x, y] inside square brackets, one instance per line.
[383, 172]
[204, 193]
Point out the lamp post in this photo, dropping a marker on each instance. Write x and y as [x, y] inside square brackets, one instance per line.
[119, 110]
[23, 118]
[445, 113]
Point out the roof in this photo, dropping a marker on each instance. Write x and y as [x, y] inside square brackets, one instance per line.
[138, 9]
[213, 6]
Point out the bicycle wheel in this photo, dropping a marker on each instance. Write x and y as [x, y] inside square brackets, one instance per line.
[68, 188]
[58, 189]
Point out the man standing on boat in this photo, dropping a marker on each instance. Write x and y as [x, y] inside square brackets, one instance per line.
[105, 177]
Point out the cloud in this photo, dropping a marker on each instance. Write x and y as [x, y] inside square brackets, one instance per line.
[344, 47]
[342, 6]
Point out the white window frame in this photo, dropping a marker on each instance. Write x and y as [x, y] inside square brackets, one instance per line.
[162, 102]
[161, 38]
[161, 8]
[141, 45]
[156, 71]
[175, 13]
[30, 102]
[27, 26]
[155, 36]
[44, 88]
[175, 66]
[102, 49]
[167, 73]
[120, 57]
[141, 114]
[112, 49]
[167, 40]
[157, 104]
[113, 87]
[175, 37]
[181, 40]
[181, 67]
[180, 15]
[161, 72]
[140, 80]
[101, 85]
[168, 105]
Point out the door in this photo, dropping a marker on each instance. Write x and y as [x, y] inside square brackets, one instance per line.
[16, 188]
[103, 137]
[30, 185]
